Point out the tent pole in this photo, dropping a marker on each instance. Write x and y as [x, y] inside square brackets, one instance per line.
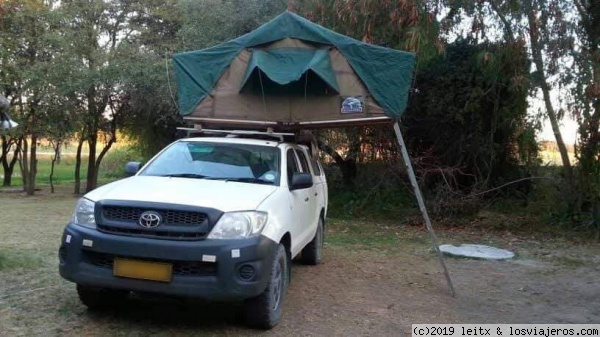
[415, 185]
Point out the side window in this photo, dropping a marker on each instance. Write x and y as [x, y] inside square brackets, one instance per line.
[303, 161]
[315, 166]
[292, 165]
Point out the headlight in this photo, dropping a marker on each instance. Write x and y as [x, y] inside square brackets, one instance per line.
[239, 225]
[84, 213]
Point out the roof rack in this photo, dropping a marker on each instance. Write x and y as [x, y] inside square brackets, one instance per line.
[197, 129]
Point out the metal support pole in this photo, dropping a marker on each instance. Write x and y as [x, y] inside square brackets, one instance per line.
[415, 185]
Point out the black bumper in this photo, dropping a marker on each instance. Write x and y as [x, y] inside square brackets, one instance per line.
[228, 278]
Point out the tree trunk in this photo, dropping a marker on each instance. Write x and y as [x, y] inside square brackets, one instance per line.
[536, 52]
[4, 159]
[347, 166]
[24, 163]
[32, 172]
[104, 151]
[92, 173]
[55, 157]
[9, 166]
[592, 146]
[4, 147]
[77, 189]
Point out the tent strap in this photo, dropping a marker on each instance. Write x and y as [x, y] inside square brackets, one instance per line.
[420, 200]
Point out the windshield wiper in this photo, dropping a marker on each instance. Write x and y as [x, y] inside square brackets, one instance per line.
[200, 176]
[184, 175]
[248, 180]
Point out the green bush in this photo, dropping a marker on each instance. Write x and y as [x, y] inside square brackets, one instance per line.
[379, 193]
[113, 165]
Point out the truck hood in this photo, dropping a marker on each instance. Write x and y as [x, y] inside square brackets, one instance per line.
[226, 196]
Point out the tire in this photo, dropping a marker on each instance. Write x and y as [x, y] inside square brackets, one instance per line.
[313, 252]
[101, 298]
[264, 311]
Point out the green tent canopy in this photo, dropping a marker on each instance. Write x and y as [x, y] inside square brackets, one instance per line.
[291, 70]
[287, 65]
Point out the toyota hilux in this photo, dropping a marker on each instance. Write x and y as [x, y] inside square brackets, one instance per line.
[215, 218]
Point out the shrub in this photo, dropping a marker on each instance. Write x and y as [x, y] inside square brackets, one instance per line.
[113, 165]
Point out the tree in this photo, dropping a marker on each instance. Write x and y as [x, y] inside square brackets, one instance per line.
[539, 24]
[467, 121]
[206, 23]
[547, 32]
[586, 105]
[7, 142]
[409, 25]
[10, 147]
[150, 114]
[93, 31]
[26, 58]
[162, 27]
[548, 29]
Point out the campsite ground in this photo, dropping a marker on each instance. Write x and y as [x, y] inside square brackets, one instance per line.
[376, 279]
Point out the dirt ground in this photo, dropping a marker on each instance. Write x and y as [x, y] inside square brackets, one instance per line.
[375, 280]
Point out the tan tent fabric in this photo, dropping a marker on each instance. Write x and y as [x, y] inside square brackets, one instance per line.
[292, 43]
[226, 102]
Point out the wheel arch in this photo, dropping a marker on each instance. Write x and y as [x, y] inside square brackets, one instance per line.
[286, 241]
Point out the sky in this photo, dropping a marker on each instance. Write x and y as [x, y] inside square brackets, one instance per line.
[568, 126]
[568, 129]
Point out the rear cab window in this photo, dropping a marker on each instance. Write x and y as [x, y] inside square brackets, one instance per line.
[303, 161]
[292, 165]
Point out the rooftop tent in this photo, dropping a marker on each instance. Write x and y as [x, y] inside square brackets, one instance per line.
[292, 72]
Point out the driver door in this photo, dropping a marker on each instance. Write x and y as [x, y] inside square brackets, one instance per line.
[299, 203]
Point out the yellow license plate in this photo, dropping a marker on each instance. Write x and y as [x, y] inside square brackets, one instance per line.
[143, 270]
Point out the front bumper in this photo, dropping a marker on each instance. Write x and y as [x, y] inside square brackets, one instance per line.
[206, 269]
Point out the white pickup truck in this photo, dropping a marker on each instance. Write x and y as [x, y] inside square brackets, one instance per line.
[217, 218]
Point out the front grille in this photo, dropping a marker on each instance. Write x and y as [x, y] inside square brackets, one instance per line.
[176, 224]
[153, 234]
[180, 268]
[170, 217]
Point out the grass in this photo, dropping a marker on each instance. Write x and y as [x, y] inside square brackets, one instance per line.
[112, 167]
[13, 259]
[372, 235]
[64, 172]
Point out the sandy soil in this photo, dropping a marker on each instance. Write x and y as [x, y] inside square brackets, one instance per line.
[352, 293]
[358, 290]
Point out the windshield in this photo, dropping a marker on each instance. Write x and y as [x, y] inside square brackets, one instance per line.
[222, 161]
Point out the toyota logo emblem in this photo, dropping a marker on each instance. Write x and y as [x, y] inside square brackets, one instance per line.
[150, 219]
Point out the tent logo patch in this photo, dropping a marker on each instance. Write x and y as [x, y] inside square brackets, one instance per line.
[352, 104]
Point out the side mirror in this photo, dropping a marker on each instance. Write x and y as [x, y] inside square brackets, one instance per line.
[301, 181]
[132, 168]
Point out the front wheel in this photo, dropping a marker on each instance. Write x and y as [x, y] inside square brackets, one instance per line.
[312, 253]
[264, 311]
